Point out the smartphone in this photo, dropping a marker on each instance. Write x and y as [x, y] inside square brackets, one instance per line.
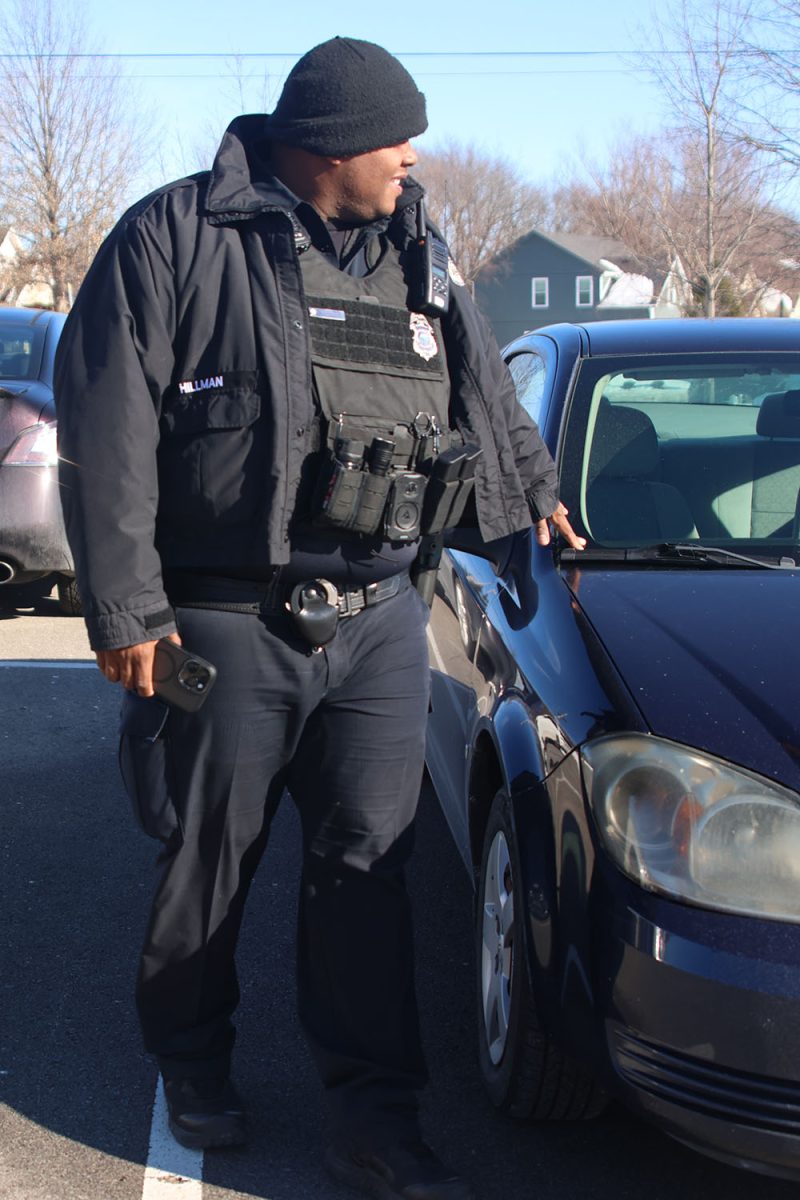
[180, 677]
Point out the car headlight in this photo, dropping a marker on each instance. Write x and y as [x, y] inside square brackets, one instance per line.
[694, 827]
[35, 447]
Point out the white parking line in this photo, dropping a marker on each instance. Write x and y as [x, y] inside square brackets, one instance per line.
[172, 1171]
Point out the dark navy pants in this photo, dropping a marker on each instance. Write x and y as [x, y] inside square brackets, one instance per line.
[343, 730]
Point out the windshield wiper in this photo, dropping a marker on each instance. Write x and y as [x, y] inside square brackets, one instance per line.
[672, 552]
[719, 554]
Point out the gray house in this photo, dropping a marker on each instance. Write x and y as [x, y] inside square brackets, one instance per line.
[543, 278]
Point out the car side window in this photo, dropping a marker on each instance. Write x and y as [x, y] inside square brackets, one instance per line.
[528, 372]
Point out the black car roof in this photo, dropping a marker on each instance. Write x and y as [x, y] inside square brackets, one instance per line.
[680, 335]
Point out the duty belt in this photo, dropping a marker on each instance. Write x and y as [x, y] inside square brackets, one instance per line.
[314, 605]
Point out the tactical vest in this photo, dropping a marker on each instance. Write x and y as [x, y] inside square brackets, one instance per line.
[382, 391]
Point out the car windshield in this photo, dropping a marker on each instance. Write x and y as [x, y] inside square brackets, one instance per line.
[20, 350]
[681, 449]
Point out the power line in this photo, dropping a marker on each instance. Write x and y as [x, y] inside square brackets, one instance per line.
[434, 74]
[189, 75]
[282, 54]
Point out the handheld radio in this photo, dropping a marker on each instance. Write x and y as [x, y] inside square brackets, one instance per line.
[432, 282]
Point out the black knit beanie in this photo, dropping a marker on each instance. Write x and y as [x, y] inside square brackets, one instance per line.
[346, 97]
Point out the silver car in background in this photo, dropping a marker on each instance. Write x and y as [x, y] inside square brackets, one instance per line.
[34, 555]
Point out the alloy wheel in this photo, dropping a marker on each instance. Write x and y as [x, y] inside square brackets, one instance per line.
[497, 948]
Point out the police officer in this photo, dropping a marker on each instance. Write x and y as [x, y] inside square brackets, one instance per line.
[266, 394]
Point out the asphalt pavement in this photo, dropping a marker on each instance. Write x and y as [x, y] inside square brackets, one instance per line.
[77, 1091]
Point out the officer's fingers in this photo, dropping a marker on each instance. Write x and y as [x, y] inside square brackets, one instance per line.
[569, 535]
[108, 663]
[563, 526]
[132, 666]
[120, 669]
[141, 668]
[542, 533]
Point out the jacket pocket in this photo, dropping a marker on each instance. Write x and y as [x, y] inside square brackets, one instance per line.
[211, 458]
[234, 409]
[144, 765]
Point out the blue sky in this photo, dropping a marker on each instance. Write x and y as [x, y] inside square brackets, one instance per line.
[543, 107]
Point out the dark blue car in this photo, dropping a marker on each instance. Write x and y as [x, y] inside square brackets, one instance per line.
[615, 740]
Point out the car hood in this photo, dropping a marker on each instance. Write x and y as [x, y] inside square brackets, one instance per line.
[711, 656]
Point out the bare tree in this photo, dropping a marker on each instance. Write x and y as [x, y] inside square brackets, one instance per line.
[480, 202]
[653, 194]
[772, 112]
[619, 197]
[718, 204]
[243, 90]
[68, 149]
[720, 221]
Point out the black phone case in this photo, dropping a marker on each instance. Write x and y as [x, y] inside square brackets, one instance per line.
[180, 677]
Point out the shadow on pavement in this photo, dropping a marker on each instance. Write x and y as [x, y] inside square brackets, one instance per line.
[29, 606]
[75, 882]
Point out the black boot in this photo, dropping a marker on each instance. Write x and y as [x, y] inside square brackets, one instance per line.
[405, 1171]
[205, 1113]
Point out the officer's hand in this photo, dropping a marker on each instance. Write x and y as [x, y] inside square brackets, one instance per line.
[132, 666]
[559, 519]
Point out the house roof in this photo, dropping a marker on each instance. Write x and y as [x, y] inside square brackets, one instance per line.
[594, 248]
[591, 248]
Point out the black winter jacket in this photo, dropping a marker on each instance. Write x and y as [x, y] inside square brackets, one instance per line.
[183, 390]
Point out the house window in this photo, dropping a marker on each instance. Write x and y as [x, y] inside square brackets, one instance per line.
[584, 291]
[539, 291]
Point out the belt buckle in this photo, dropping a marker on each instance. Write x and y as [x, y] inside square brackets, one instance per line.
[345, 602]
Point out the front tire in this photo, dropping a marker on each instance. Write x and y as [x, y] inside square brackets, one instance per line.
[525, 1073]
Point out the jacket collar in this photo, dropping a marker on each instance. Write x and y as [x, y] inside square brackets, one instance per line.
[241, 183]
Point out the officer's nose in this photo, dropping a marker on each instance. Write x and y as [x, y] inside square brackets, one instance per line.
[409, 154]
